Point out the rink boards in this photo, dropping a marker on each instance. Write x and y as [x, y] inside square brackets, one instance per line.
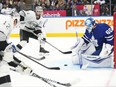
[67, 26]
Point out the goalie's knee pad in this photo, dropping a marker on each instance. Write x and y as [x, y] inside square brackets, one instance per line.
[89, 49]
[75, 58]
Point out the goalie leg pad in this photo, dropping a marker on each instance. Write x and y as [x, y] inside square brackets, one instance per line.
[75, 58]
[89, 49]
[96, 61]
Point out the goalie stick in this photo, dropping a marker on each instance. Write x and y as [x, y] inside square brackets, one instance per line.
[55, 68]
[67, 52]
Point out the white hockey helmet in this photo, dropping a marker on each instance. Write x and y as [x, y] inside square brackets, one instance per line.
[38, 9]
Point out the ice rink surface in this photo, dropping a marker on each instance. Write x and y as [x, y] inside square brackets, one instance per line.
[95, 77]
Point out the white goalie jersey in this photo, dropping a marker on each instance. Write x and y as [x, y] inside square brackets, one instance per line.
[6, 26]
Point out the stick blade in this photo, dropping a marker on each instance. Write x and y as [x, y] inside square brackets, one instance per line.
[68, 52]
[54, 68]
[75, 81]
[68, 85]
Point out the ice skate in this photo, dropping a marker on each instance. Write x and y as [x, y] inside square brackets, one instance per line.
[43, 52]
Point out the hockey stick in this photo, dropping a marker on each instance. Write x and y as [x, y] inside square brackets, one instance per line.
[55, 68]
[31, 74]
[49, 80]
[36, 58]
[76, 44]
[59, 83]
[76, 35]
[45, 22]
[33, 57]
[68, 52]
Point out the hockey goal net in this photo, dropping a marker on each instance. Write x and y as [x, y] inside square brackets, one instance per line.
[114, 18]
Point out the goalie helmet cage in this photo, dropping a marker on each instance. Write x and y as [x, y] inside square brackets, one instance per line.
[114, 26]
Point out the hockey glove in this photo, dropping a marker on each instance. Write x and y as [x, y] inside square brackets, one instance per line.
[14, 49]
[38, 27]
[37, 32]
[8, 54]
[44, 39]
[24, 69]
[41, 37]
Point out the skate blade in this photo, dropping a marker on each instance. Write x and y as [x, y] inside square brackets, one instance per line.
[43, 54]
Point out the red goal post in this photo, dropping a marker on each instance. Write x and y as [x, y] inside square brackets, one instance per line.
[114, 27]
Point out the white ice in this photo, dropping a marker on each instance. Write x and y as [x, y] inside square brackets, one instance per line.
[84, 78]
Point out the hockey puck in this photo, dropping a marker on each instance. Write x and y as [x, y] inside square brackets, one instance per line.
[65, 65]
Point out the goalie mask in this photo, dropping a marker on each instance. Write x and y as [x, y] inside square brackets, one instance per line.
[90, 24]
[39, 12]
